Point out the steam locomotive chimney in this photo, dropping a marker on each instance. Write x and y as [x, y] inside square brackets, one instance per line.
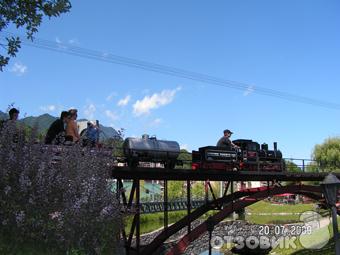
[275, 146]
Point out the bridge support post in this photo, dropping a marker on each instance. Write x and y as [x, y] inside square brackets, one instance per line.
[210, 228]
[189, 204]
[166, 214]
[136, 219]
[206, 192]
[232, 201]
[138, 216]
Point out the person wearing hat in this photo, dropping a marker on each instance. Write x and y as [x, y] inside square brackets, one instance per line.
[225, 140]
[92, 134]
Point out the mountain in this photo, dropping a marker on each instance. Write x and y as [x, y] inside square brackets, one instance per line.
[108, 132]
[43, 122]
[3, 116]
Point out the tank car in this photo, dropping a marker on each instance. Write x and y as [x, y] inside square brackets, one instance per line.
[150, 149]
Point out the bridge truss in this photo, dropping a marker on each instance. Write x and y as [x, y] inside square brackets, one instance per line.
[229, 202]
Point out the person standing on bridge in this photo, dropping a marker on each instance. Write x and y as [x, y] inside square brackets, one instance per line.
[55, 133]
[225, 140]
[72, 133]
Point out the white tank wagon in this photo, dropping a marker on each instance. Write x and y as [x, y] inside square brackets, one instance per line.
[150, 149]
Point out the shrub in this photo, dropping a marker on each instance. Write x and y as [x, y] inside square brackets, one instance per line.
[57, 198]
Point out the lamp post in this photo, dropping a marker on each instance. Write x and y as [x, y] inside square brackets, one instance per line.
[330, 186]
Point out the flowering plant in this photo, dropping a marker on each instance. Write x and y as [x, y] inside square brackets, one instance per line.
[58, 197]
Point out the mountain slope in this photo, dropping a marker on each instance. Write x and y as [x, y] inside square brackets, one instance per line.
[43, 122]
[3, 116]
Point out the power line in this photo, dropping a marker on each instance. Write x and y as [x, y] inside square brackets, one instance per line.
[173, 71]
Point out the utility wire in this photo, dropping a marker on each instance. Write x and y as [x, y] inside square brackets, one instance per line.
[130, 62]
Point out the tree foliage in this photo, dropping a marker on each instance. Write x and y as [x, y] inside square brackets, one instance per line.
[198, 190]
[27, 14]
[327, 154]
[185, 157]
[292, 167]
[176, 190]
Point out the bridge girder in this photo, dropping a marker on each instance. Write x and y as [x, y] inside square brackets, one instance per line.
[313, 192]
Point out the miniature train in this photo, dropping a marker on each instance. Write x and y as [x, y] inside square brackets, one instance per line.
[249, 157]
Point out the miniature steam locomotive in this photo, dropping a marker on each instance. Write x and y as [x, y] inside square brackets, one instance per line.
[250, 157]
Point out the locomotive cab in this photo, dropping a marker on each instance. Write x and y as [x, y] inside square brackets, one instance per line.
[249, 150]
[213, 157]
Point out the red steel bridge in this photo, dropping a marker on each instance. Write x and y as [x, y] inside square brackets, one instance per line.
[225, 204]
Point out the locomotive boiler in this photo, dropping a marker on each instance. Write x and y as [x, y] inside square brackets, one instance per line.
[150, 149]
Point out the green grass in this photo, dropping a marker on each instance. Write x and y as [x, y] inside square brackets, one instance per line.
[305, 244]
[263, 206]
[266, 207]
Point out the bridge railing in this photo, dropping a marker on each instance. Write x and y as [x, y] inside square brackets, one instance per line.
[302, 165]
[185, 160]
[152, 207]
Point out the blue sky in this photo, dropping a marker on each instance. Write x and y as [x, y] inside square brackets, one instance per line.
[288, 46]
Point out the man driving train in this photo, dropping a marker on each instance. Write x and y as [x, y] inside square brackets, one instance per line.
[225, 140]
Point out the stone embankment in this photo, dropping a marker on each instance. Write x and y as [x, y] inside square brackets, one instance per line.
[230, 229]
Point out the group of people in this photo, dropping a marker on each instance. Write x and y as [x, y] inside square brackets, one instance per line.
[65, 129]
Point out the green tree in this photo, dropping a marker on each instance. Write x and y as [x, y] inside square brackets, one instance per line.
[176, 190]
[185, 157]
[27, 14]
[292, 167]
[312, 167]
[198, 190]
[327, 154]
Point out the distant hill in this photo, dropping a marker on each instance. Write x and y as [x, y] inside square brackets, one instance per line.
[3, 115]
[43, 122]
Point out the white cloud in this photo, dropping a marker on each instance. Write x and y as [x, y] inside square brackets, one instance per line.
[112, 115]
[57, 40]
[89, 111]
[155, 101]
[60, 43]
[112, 95]
[73, 41]
[249, 90]
[19, 69]
[48, 108]
[156, 122]
[105, 55]
[124, 101]
[184, 147]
